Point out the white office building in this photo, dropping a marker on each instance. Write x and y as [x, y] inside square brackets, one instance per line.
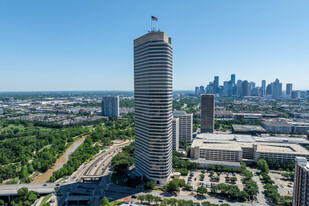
[153, 80]
[110, 106]
[176, 134]
[185, 125]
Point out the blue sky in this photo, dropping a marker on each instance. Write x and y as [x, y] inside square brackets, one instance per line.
[88, 45]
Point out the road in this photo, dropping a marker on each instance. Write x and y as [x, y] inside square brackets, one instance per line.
[38, 187]
[49, 188]
[261, 198]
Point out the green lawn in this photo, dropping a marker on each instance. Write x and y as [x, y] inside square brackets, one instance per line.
[45, 199]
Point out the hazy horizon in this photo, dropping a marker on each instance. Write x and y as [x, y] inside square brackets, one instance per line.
[78, 45]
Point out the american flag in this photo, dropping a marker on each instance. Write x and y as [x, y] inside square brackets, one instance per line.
[153, 18]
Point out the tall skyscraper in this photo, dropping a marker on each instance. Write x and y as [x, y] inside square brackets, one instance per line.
[289, 88]
[225, 88]
[202, 89]
[197, 91]
[277, 89]
[185, 125]
[269, 89]
[153, 81]
[246, 89]
[296, 94]
[263, 88]
[301, 180]
[207, 113]
[252, 85]
[110, 106]
[233, 78]
[216, 85]
[239, 88]
[176, 134]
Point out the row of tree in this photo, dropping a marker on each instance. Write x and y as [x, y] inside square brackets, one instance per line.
[82, 154]
[271, 190]
[179, 163]
[280, 164]
[24, 198]
[149, 199]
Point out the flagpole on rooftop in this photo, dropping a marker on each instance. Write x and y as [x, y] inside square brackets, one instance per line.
[150, 23]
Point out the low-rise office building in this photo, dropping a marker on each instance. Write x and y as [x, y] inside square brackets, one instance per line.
[248, 129]
[286, 127]
[236, 148]
[248, 116]
[277, 126]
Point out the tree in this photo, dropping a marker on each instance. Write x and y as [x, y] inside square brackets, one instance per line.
[201, 190]
[23, 193]
[233, 179]
[251, 187]
[149, 198]
[262, 165]
[156, 199]
[1, 203]
[105, 201]
[150, 184]
[183, 171]
[141, 198]
[171, 187]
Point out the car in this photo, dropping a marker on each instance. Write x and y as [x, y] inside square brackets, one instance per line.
[45, 185]
[194, 179]
[220, 201]
[133, 196]
[57, 185]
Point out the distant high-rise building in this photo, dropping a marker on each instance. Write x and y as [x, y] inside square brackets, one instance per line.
[110, 106]
[263, 88]
[185, 125]
[296, 94]
[216, 85]
[209, 88]
[225, 88]
[153, 81]
[176, 134]
[289, 88]
[207, 113]
[202, 90]
[269, 89]
[246, 89]
[239, 88]
[301, 181]
[230, 87]
[252, 85]
[233, 78]
[255, 91]
[197, 91]
[277, 89]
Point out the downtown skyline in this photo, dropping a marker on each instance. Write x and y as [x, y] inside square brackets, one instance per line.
[76, 50]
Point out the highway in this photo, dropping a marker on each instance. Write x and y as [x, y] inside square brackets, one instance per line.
[38, 187]
[94, 168]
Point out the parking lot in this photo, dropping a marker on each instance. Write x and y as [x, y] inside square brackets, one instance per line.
[285, 186]
[194, 179]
